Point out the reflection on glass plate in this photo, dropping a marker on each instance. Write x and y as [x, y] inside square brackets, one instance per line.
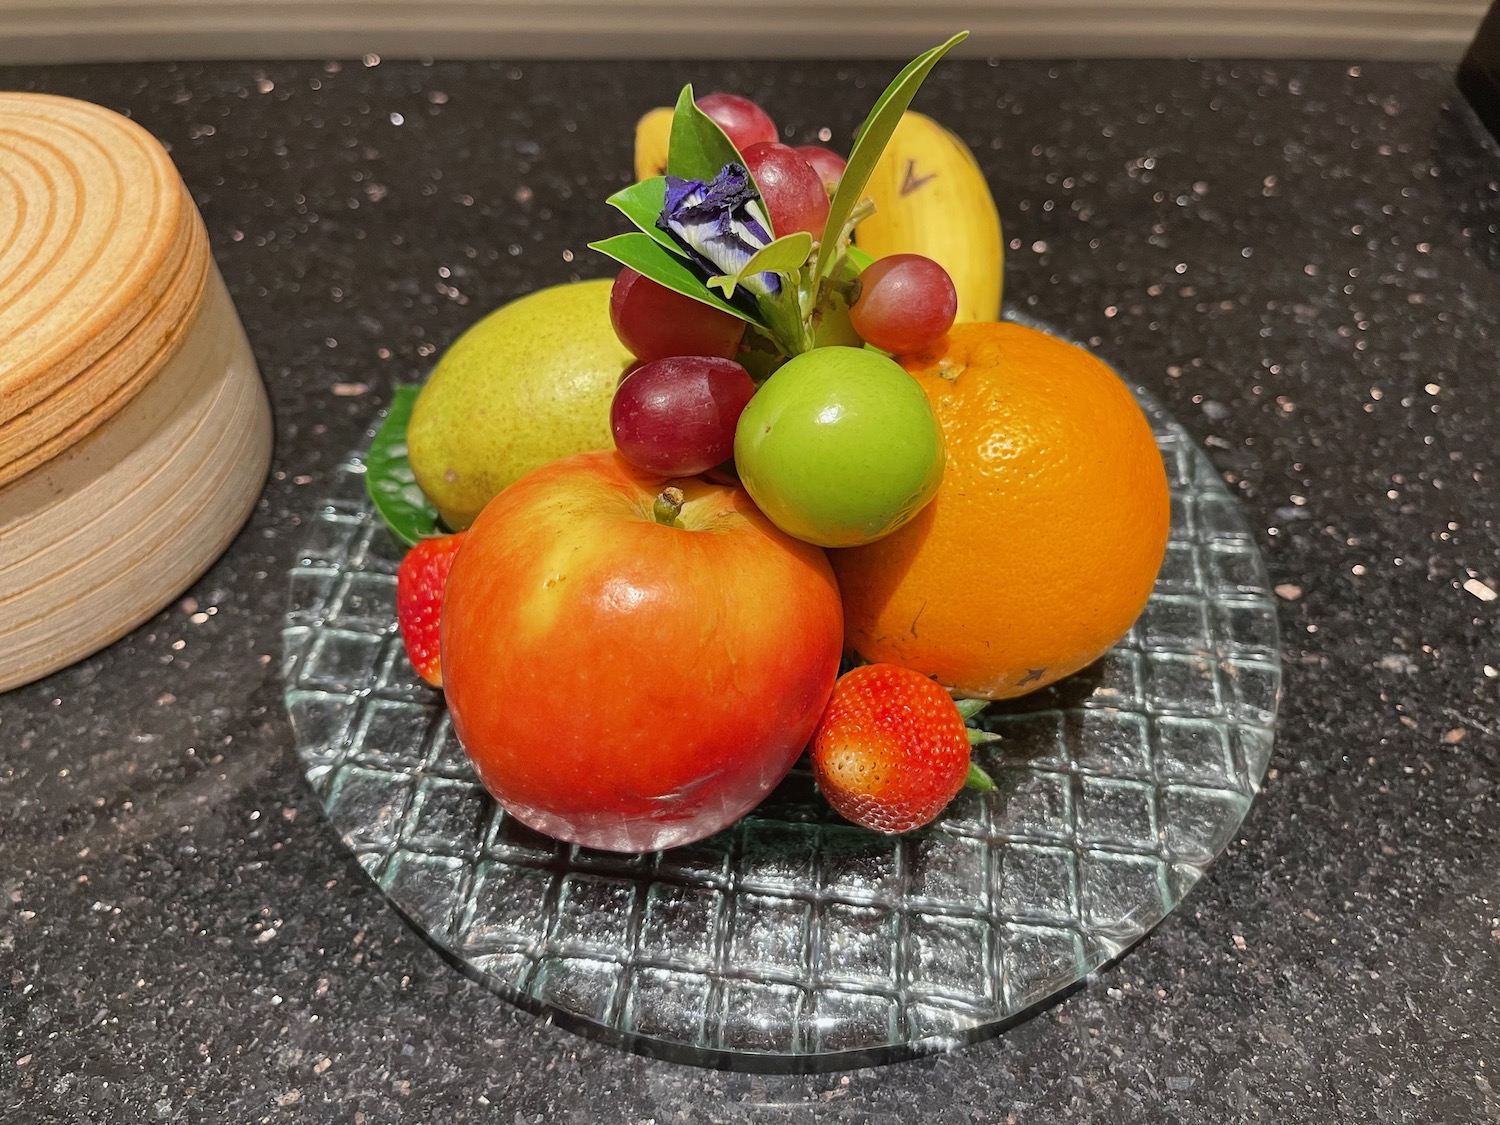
[793, 941]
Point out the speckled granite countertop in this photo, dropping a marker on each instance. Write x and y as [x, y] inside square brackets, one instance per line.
[1299, 259]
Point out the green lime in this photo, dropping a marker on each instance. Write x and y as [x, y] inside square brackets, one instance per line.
[839, 447]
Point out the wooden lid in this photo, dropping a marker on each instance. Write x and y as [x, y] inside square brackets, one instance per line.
[103, 261]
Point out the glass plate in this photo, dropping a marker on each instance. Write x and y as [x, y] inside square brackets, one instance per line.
[794, 941]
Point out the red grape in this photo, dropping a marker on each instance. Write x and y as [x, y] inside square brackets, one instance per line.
[676, 416]
[828, 164]
[744, 122]
[792, 191]
[905, 302]
[654, 321]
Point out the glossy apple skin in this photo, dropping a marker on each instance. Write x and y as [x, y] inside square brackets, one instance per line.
[628, 685]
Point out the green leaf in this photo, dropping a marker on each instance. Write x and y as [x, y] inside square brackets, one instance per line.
[979, 737]
[641, 203]
[389, 480]
[645, 255]
[785, 256]
[873, 136]
[699, 149]
[761, 357]
[861, 260]
[968, 708]
[978, 779]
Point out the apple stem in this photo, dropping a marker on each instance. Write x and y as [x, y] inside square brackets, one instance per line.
[668, 506]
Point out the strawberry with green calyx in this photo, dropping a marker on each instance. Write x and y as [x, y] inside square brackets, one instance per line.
[892, 749]
[419, 601]
[977, 778]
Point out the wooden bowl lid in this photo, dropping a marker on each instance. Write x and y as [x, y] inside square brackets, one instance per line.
[103, 260]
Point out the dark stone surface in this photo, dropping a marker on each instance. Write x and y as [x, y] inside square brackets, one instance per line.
[1299, 259]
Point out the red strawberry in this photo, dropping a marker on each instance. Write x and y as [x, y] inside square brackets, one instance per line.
[419, 598]
[891, 750]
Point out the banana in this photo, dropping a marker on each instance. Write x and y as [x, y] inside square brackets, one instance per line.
[652, 134]
[931, 198]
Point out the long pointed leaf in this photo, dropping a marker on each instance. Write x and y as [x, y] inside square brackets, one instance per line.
[699, 148]
[641, 203]
[873, 137]
[647, 256]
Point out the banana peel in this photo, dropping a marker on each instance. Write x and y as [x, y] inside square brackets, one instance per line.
[653, 133]
[931, 198]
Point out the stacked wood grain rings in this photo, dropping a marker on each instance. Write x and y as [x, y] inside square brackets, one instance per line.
[134, 429]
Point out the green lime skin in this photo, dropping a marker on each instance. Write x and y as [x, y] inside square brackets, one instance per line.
[839, 447]
[530, 383]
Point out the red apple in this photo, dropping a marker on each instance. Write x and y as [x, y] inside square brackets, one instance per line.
[627, 683]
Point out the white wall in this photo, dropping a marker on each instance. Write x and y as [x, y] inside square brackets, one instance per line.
[67, 30]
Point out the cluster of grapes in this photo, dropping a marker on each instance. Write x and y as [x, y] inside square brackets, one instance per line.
[676, 410]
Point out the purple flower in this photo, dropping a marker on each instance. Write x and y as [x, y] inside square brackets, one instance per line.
[720, 224]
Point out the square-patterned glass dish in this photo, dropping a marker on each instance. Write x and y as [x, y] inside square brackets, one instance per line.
[792, 940]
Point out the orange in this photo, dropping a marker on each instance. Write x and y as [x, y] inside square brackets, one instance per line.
[1046, 535]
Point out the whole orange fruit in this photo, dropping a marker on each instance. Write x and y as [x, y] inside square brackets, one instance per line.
[1046, 535]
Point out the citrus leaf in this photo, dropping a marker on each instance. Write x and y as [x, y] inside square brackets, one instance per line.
[785, 256]
[861, 260]
[699, 149]
[389, 480]
[648, 257]
[642, 204]
[871, 142]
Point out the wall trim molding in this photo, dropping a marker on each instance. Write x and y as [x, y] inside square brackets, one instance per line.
[50, 31]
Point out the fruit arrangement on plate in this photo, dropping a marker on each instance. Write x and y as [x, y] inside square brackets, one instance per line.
[651, 518]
